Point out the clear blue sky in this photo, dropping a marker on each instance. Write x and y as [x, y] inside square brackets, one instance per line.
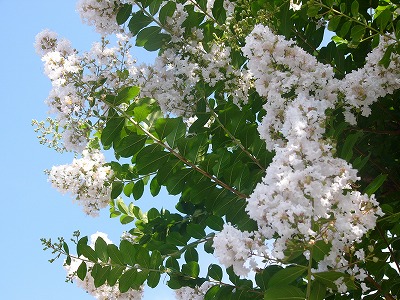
[31, 209]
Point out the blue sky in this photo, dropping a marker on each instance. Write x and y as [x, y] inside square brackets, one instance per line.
[31, 209]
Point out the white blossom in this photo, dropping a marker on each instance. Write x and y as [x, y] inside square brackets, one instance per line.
[197, 293]
[87, 179]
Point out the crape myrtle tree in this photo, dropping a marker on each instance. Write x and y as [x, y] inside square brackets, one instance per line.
[282, 147]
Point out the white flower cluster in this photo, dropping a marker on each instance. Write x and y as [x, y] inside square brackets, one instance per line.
[173, 77]
[366, 85]
[198, 293]
[101, 14]
[235, 248]
[307, 194]
[86, 178]
[73, 78]
[103, 292]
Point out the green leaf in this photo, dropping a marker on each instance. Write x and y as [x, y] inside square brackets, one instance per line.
[112, 130]
[138, 189]
[81, 271]
[138, 21]
[143, 257]
[166, 11]
[215, 272]
[66, 248]
[82, 242]
[126, 95]
[154, 187]
[283, 292]
[177, 239]
[357, 33]
[191, 255]
[177, 133]
[218, 11]
[214, 222]
[89, 253]
[100, 248]
[115, 255]
[126, 280]
[354, 8]
[328, 279]
[193, 148]
[123, 13]
[114, 274]
[347, 150]
[155, 6]
[375, 184]
[116, 190]
[150, 159]
[155, 259]
[196, 231]
[153, 279]
[122, 206]
[286, 276]
[318, 291]
[164, 126]
[151, 38]
[385, 16]
[176, 182]
[100, 274]
[320, 250]
[191, 269]
[334, 22]
[128, 252]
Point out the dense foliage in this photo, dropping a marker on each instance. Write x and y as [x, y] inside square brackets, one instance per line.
[274, 122]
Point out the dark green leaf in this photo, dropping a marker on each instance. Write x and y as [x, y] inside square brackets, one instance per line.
[82, 270]
[166, 11]
[375, 184]
[138, 189]
[150, 159]
[218, 11]
[100, 274]
[143, 257]
[89, 253]
[126, 95]
[196, 231]
[215, 272]
[164, 126]
[151, 38]
[287, 275]
[153, 279]
[318, 291]
[100, 248]
[115, 255]
[177, 133]
[357, 33]
[138, 21]
[384, 18]
[130, 145]
[154, 187]
[214, 222]
[347, 150]
[191, 269]
[283, 292]
[191, 255]
[82, 242]
[123, 13]
[128, 252]
[116, 190]
[114, 275]
[112, 130]
[126, 280]
[333, 23]
[354, 8]
[155, 259]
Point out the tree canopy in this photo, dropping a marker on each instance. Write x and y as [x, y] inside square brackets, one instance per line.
[275, 124]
